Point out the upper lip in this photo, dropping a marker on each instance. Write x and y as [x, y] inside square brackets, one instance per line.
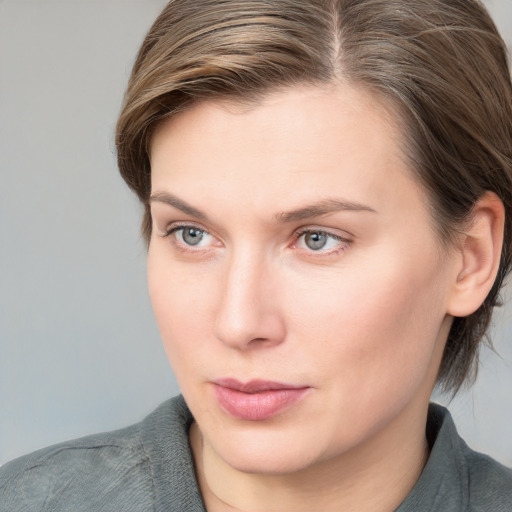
[255, 386]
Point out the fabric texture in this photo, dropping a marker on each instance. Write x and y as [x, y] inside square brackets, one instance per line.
[149, 467]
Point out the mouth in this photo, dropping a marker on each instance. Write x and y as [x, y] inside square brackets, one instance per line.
[256, 400]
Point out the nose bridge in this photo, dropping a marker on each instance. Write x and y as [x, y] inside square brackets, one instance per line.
[248, 313]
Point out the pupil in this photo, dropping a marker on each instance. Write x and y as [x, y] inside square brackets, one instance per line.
[192, 236]
[316, 240]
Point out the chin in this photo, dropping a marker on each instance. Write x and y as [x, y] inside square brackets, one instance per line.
[272, 454]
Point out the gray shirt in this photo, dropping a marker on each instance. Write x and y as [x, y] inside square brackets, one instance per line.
[149, 467]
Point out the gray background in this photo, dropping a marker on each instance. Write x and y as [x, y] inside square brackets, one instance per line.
[79, 349]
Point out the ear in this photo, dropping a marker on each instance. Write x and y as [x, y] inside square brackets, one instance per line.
[480, 251]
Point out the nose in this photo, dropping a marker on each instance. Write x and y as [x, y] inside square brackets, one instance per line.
[249, 314]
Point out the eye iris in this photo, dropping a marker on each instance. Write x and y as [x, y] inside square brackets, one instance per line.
[192, 236]
[315, 240]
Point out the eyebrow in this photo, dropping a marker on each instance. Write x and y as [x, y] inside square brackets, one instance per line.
[322, 208]
[164, 197]
[308, 212]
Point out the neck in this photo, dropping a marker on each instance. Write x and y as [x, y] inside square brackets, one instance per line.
[374, 477]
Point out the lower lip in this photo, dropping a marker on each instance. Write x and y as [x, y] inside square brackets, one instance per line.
[257, 406]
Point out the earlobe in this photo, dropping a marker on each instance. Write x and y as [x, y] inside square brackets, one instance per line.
[480, 256]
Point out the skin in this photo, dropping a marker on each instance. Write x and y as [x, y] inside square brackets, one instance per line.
[361, 322]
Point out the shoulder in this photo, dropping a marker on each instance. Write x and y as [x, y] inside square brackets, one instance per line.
[456, 478]
[90, 470]
[489, 482]
[108, 471]
[481, 482]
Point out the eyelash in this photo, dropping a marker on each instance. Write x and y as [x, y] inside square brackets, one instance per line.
[343, 242]
[183, 247]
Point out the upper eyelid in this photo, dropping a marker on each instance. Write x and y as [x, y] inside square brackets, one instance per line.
[177, 225]
[329, 232]
[323, 231]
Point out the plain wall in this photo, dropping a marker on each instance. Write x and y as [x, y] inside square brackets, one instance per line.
[79, 348]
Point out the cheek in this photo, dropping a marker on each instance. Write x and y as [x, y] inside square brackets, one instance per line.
[181, 300]
[371, 339]
[378, 322]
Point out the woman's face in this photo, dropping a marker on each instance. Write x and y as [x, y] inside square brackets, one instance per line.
[296, 277]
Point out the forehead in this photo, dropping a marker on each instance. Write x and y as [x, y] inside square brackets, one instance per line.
[287, 118]
[295, 143]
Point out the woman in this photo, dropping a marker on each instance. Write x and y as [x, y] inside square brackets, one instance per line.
[328, 191]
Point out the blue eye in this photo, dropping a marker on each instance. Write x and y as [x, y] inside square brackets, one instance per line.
[192, 236]
[315, 240]
[319, 241]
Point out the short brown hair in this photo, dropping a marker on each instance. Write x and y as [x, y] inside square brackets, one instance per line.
[440, 64]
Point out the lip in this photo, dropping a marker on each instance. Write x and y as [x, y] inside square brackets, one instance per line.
[256, 400]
